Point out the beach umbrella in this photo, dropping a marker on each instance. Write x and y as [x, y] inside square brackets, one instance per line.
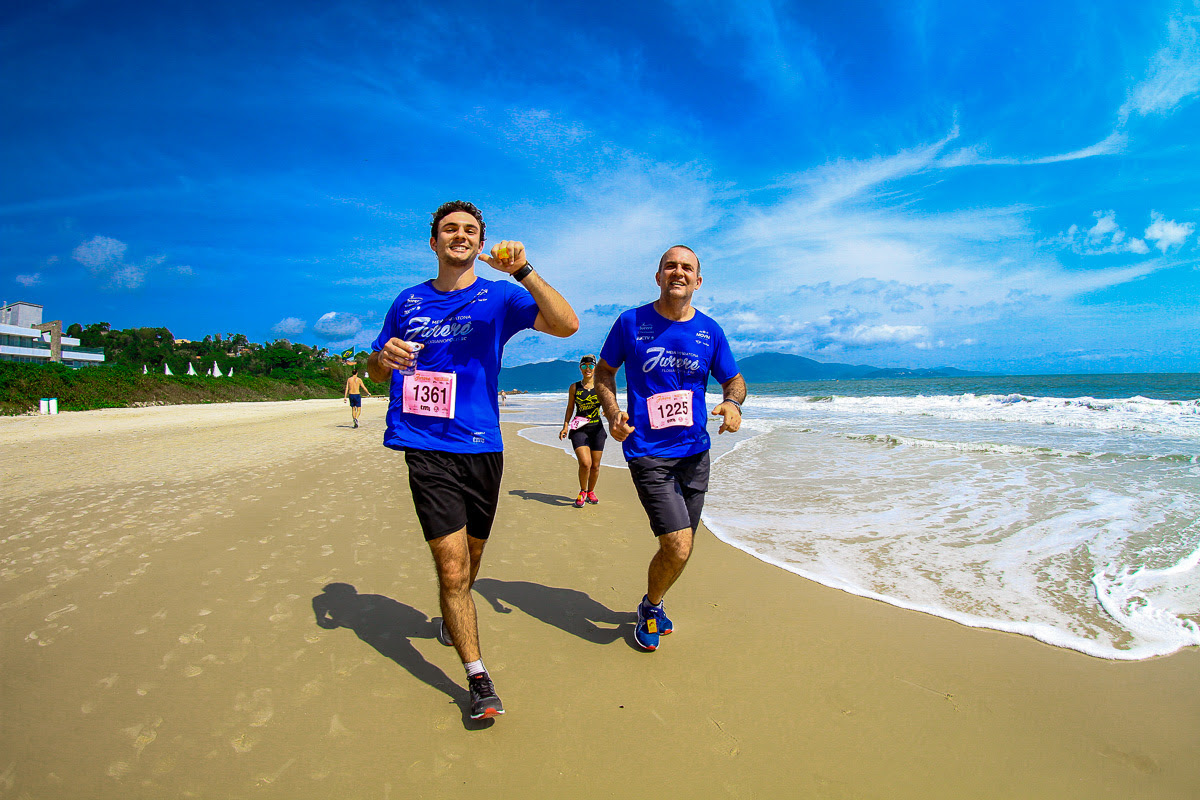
[216, 371]
[167, 369]
[191, 369]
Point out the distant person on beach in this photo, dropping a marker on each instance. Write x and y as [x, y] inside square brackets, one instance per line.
[582, 423]
[669, 349]
[503, 397]
[444, 415]
[353, 394]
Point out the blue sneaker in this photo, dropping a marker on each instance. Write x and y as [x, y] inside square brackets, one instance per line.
[660, 615]
[664, 624]
[645, 633]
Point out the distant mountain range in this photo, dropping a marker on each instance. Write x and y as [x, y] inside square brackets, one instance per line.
[549, 376]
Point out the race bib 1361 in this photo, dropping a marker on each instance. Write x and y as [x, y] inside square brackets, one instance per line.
[430, 394]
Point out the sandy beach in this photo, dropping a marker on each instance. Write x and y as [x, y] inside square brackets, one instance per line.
[158, 569]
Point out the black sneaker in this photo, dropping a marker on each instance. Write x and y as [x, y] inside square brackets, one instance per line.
[443, 635]
[484, 702]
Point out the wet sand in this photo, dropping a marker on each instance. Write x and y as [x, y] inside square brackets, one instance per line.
[158, 569]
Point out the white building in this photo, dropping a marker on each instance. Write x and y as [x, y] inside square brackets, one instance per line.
[24, 337]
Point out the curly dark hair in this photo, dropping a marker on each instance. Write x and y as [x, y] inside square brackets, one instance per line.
[449, 208]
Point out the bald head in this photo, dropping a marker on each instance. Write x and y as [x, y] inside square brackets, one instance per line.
[674, 252]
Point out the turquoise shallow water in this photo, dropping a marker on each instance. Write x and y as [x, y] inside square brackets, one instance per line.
[1179, 386]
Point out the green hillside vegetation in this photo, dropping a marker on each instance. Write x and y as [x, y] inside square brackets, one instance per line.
[279, 370]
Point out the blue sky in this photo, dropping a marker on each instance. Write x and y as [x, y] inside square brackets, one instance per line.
[994, 186]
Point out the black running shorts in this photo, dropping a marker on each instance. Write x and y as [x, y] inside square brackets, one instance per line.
[590, 436]
[355, 400]
[454, 490]
[671, 490]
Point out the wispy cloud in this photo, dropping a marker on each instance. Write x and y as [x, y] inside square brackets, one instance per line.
[1111, 144]
[774, 50]
[289, 326]
[1173, 77]
[104, 258]
[29, 280]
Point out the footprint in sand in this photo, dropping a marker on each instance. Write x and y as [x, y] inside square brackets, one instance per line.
[144, 734]
[243, 742]
[193, 636]
[336, 728]
[67, 609]
[258, 707]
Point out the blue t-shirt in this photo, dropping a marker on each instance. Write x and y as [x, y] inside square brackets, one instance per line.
[664, 356]
[464, 332]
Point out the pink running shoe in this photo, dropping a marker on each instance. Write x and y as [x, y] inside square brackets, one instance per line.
[591, 498]
[579, 500]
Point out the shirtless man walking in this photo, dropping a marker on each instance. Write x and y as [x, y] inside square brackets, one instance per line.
[353, 394]
[444, 413]
[669, 349]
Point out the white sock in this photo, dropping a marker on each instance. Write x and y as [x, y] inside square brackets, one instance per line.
[474, 667]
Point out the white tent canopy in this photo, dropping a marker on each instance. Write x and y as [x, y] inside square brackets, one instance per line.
[191, 369]
[216, 371]
[167, 369]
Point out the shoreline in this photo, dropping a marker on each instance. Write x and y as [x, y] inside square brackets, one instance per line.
[158, 639]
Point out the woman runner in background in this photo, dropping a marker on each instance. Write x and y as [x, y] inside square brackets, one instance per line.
[582, 424]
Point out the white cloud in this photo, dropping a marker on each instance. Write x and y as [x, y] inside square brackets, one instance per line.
[1167, 233]
[289, 326]
[337, 325]
[100, 252]
[1174, 73]
[1104, 237]
[1111, 144]
[30, 280]
[774, 51]
[104, 258]
[863, 335]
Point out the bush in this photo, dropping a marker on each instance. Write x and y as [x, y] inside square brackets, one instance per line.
[114, 386]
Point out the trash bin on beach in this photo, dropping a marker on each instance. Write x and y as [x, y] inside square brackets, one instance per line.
[49, 405]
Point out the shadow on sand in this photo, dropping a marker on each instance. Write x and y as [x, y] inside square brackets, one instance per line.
[389, 626]
[566, 609]
[548, 499]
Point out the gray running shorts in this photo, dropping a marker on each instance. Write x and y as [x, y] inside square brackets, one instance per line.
[671, 490]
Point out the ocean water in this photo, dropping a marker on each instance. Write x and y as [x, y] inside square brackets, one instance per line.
[1066, 508]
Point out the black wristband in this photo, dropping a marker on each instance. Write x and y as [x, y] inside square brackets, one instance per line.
[731, 400]
[523, 272]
